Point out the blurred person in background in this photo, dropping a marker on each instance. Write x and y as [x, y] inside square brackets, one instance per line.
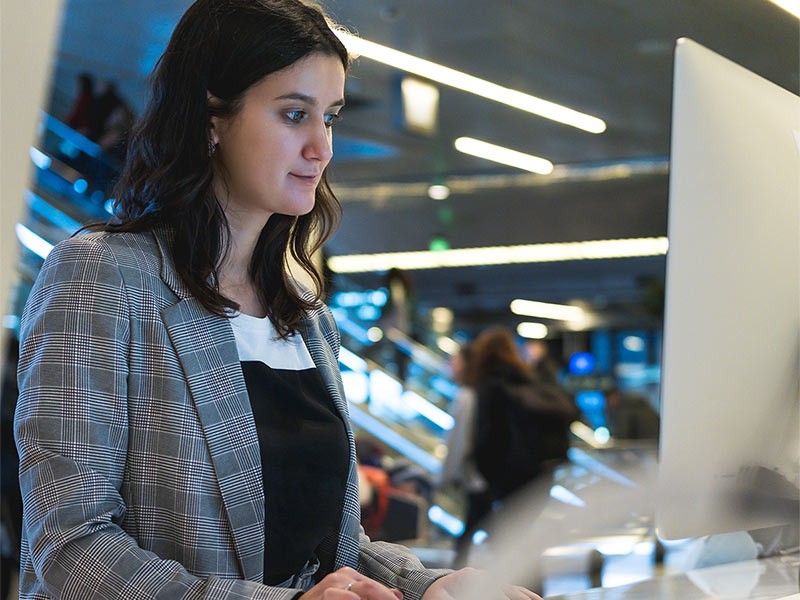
[81, 114]
[182, 426]
[112, 121]
[543, 365]
[400, 313]
[459, 470]
[522, 430]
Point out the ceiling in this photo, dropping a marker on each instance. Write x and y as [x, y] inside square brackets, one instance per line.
[609, 58]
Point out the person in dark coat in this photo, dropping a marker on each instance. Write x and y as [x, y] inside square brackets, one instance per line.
[523, 423]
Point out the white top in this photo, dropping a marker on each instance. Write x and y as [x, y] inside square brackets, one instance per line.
[257, 340]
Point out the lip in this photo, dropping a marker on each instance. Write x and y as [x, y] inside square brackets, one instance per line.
[310, 178]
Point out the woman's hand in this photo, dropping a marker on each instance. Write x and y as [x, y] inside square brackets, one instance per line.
[349, 584]
[456, 584]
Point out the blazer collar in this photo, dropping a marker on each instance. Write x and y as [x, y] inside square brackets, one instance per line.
[164, 236]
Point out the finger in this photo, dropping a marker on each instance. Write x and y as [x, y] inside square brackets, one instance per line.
[345, 576]
[369, 589]
[515, 592]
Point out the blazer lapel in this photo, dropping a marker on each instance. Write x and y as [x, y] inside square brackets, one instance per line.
[207, 351]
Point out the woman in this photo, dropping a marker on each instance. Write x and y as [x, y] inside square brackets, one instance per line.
[459, 466]
[522, 429]
[182, 428]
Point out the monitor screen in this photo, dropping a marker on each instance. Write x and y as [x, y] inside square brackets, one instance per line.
[729, 453]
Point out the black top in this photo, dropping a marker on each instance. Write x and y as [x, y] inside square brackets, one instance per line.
[304, 451]
[304, 462]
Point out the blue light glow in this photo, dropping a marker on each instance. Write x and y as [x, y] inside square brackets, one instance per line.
[592, 404]
[445, 520]
[562, 494]
[352, 361]
[40, 159]
[356, 386]
[50, 213]
[80, 185]
[479, 537]
[582, 363]
[367, 312]
[33, 242]
[428, 410]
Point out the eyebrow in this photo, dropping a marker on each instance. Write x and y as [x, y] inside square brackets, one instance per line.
[307, 99]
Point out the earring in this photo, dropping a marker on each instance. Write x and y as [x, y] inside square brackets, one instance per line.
[212, 147]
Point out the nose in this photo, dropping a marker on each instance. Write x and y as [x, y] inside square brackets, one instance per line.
[319, 145]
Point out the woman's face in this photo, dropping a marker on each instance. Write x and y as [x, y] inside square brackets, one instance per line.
[272, 153]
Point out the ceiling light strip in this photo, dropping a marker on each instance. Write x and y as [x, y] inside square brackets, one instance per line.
[790, 6]
[546, 310]
[500, 255]
[469, 83]
[502, 155]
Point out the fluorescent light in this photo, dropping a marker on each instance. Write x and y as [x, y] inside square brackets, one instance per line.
[448, 345]
[39, 158]
[469, 83]
[445, 520]
[428, 410]
[352, 361]
[505, 156]
[602, 435]
[420, 105]
[390, 437]
[442, 319]
[438, 192]
[790, 6]
[33, 242]
[546, 310]
[533, 331]
[499, 255]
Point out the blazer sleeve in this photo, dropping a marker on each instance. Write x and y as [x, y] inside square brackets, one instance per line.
[71, 429]
[397, 567]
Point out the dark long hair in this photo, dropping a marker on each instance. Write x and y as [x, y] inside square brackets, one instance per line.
[494, 349]
[223, 47]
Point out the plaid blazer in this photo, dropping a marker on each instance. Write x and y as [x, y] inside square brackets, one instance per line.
[139, 460]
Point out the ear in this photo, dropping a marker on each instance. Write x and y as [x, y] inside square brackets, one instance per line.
[215, 124]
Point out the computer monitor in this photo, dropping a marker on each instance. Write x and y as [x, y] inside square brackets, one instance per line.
[729, 454]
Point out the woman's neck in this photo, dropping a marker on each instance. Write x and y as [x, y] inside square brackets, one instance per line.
[233, 274]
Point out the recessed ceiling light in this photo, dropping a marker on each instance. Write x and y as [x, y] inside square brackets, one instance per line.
[533, 331]
[438, 192]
